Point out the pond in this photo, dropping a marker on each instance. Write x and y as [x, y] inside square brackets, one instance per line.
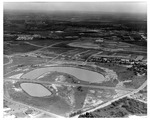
[82, 74]
[35, 90]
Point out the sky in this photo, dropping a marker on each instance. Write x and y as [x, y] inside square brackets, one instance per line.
[119, 7]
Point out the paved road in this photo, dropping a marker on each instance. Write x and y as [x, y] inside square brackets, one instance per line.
[48, 46]
[131, 91]
[60, 55]
[35, 50]
[63, 83]
[82, 52]
[109, 102]
[11, 60]
[33, 44]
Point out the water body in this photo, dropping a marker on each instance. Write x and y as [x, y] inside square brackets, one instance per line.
[35, 90]
[82, 74]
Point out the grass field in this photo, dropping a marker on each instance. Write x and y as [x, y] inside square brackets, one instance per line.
[136, 82]
[53, 104]
[29, 60]
[87, 54]
[44, 42]
[122, 72]
[56, 50]
[18, 48]
[6, 60]
[22, 61]
[80, 95]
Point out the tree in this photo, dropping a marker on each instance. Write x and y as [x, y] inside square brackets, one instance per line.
[80, 88]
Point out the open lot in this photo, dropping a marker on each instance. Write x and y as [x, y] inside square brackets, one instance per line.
[56, 50]
[44, 42]
[6, 60]
[18, 47]
[26, 60]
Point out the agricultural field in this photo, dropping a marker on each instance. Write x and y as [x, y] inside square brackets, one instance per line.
[84, 45]
[27, 60]
[44, 42]
[63, 45]
[20, 61]
[17, 47]
[105, 53]
[6, 60]
[71, 55]
[84, 56]
[56, 50]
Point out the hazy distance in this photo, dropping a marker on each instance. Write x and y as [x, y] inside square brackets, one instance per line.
[110, 7]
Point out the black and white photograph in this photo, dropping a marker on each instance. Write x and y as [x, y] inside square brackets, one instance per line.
[75, 59]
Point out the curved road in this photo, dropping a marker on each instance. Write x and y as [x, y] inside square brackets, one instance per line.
[64, 83]
[109, 102]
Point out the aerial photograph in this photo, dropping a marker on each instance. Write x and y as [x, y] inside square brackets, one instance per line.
[75, 59]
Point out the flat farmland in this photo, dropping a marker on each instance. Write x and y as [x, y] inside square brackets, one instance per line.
[22, 61]
[84, 45]
[56, 50]
[15, 71]
[29, 60]
[6, 60]
[8, 69]
[19, 48]
[42, 54]
[63, 45]
[44, 42]
[85, 55]
[74, 52]
[136, 48]
[70, 54]
[106, 53]
[122, 55]
[136, 82]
